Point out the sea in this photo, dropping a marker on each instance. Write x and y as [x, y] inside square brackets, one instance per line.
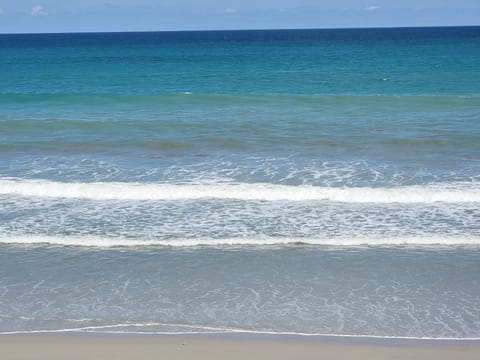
[309, 182]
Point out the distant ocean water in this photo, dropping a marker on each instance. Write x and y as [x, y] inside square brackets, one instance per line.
[287, 181]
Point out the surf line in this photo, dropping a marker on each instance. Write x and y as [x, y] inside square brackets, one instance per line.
[447, 193]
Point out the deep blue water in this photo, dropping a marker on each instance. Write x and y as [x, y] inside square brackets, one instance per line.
[307, 181]
[365, 61]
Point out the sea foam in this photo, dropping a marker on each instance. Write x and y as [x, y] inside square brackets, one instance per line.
[448, 193]
[112, 242]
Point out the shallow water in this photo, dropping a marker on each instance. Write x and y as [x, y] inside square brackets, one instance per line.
[317, 182]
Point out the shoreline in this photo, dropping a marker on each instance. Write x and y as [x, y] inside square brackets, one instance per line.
[81, 345]
[254, 335]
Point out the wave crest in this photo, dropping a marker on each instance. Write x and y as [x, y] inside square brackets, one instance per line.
[448, 193]
[111, 242]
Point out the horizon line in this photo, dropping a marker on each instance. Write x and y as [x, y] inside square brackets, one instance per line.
[239, 30]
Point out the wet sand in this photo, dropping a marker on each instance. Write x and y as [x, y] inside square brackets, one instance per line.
[82, 347]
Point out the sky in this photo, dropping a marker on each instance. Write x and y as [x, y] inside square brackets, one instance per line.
[41, 16]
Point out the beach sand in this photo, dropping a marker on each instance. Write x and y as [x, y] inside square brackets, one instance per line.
[84, 347]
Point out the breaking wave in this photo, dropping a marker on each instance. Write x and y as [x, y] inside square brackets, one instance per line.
[111, 242]
[447, 193]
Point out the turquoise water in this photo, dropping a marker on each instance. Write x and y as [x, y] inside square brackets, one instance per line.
[298, 181]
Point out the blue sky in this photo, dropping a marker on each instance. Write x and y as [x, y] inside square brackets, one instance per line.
[20, 16]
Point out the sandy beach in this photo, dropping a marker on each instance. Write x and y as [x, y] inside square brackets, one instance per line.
[74, 347]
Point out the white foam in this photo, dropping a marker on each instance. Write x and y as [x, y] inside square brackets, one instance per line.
[448, 193]
[107, 242]
[202, 329]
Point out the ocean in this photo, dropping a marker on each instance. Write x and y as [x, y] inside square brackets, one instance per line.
[315, 182]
